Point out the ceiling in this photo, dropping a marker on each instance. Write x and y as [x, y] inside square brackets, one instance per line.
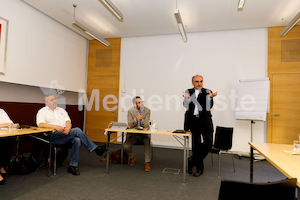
[156, 17]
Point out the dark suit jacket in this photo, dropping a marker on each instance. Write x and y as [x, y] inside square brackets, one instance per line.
[204, 106]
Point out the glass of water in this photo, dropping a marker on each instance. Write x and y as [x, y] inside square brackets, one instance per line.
[296, 145]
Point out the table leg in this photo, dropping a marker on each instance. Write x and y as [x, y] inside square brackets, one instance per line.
[122, 149]
[251, 164]
[298, 193]
[47, 140]
[50, 154]
[188, 147]
[184, 158]
[108, 152]
[18, 146]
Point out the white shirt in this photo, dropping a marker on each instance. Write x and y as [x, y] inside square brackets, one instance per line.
[57, 117]
[196, 111]
[4, 118]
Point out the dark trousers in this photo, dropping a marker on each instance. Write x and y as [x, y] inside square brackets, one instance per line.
[6, 146]
[200, 148]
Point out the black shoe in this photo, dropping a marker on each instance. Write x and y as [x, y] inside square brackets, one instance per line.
[2, 182]
[73, 170]
[100, 150]
[198, 173]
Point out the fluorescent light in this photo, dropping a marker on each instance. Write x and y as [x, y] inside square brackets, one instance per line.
[241, 4]
[180, 24]
[82, 28]
[113, 9]
[290, 25]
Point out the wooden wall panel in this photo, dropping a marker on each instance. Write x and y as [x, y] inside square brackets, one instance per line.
[277, 67]
[103, 75]
[274, 51]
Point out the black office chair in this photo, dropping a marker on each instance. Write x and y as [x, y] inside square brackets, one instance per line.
[279, 190]
[222, 144]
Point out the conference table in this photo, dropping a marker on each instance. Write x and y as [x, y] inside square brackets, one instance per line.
[33, 132]
[276, 154]
[169, 132]
[4, 132]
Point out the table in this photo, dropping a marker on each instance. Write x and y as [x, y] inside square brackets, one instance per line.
[288, 164]
[159, 132]
[30, 132]
[19, 132]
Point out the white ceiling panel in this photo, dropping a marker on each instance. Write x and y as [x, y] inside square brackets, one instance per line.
[155, 17]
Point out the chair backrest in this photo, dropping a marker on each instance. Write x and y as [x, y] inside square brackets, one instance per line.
[279, 190]
[223, 138]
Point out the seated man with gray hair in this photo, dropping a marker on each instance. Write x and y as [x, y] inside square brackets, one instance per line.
[57, 118]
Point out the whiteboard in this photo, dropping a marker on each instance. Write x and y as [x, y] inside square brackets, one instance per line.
[253, 99]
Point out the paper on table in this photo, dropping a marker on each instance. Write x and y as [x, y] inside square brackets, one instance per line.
[292, 152]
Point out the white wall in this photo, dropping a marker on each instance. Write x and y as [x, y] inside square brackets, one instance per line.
[160, 67]
[41, 51]
[11, 92]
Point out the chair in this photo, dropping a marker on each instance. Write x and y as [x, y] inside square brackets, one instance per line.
[38, 151]
[222, 144]
[62, 157]
[279, 190]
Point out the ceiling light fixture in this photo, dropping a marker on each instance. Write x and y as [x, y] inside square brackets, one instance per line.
[241, 5]
[180, 24]
[290, 25]
[82, 28]
[113, 9]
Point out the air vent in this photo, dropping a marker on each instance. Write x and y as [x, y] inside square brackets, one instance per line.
[290, 50]
[104, 58]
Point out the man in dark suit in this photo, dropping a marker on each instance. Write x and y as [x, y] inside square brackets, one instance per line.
[199, 101]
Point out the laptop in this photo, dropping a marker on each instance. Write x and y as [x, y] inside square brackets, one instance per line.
[119, 125]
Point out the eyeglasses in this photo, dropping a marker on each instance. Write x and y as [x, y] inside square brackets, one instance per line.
[198, 81]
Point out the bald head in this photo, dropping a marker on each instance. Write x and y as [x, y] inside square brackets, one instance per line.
[197, 82]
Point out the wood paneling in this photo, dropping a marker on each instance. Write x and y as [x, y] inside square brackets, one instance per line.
[93, 70]
[286, 94]
[103, 76]
[284, 89]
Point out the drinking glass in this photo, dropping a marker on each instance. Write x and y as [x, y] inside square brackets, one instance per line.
[296, 145]
[16, 125]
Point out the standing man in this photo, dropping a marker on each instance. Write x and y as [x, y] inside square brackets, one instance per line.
[57, 118]
[199, 101]
[138, 117]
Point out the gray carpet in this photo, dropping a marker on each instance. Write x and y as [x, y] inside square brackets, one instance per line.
[131, 182]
